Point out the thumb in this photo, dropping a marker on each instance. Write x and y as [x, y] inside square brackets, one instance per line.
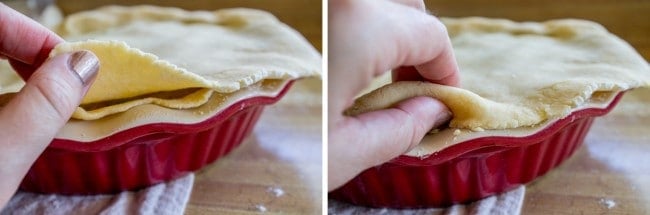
[389, 133]
[50, 96]
[29, 122]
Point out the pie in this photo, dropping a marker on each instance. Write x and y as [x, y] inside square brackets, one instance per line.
[518, 78]
[177, 59]
[522, 74]
[170, 66]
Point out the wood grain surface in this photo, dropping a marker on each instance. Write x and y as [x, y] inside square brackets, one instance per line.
[629, 19]
[610, 173]
[277, 170]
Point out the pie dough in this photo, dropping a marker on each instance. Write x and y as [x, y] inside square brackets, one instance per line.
[9, 80]
[171, 50]
[522, 74]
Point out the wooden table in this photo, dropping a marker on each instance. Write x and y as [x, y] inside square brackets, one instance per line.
[610, 173]
[629, 19]
[278, 169]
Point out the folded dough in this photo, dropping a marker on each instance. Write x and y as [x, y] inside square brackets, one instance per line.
[521, 74]
[171, 49]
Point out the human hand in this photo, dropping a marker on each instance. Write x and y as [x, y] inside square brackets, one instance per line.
[367, 38]
[54, 88]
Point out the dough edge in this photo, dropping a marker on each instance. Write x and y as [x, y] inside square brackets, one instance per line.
[118, 15]
[471, 111]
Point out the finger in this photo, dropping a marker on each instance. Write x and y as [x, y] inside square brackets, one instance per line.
[409, 120]
[400, 35]
[406, 73]
[24, 70]
[424, 43]
[386, 133]
[442, 69]
[23, 39]
[32, 118]
[48, 98]
[410, 73]
[417, 4]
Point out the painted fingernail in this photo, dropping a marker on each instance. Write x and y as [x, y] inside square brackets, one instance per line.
[443, 118]
[85, 64]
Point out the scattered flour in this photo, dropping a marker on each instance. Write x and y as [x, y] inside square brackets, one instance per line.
[609, 203]
[276, 191]
[260, 208]
[456, 132]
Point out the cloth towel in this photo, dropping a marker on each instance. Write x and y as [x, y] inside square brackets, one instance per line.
[164, 198]
[506, 203]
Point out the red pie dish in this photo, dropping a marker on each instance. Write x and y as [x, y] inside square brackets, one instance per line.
[147, 154]
[472, 169]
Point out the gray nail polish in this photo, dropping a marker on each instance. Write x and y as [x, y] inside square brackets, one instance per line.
[85, 64]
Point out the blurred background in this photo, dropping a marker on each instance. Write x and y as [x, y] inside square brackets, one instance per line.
[303, 15]
[628, 19]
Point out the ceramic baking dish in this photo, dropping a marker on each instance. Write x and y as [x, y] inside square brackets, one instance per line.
[146, 154]
[474, 168]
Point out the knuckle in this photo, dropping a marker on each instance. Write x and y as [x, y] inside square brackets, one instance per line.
[412, 125]
[55, 93]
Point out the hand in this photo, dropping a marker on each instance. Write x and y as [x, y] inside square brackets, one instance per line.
[366, 39]
[54, 88]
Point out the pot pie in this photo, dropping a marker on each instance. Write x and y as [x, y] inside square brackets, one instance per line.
[517, 77]
[177, 59]
[170, 65]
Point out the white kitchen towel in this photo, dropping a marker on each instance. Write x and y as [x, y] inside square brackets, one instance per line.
[164, 198]
[505, 203]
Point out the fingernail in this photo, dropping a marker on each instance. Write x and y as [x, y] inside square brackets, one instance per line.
[443, 118]
[85, 64]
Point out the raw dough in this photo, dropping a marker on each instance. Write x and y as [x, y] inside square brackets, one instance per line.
[171, 49]
[521, 74]
[9, 80]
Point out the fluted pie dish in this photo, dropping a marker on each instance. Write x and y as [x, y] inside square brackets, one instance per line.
[175, 91]
[528, 94]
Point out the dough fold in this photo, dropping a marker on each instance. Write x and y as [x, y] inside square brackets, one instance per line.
[469, 110]
[522, 74]
[148, 50]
